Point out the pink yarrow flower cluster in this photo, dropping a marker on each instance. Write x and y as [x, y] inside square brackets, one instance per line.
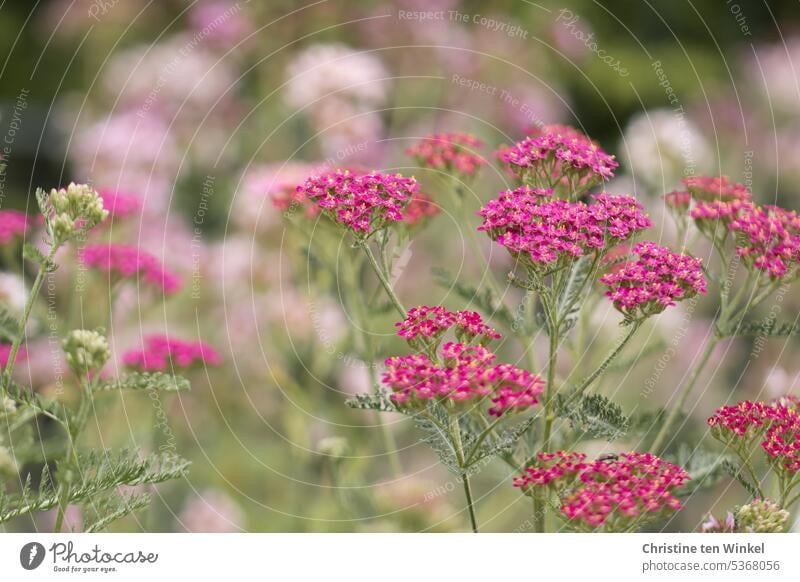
[559, 154]
[162, 353]
[364, 203]
[433, 322]
[616, 494]
[656, 280]
[119, 204]
[544, 231]
[420, 209]
[775, 425]
[13, 224]
[451, 152]
[768, 239]
[467, 374]
[127, 261]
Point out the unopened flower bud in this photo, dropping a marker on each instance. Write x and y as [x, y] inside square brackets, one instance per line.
[761, 516]
[76, 207]
[86, 350]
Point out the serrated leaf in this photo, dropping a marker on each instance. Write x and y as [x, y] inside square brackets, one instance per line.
[437, 437]
[595, 416]
[484, 299]
[379, 401]
[109, 508]
[705, 467]
[736, 472]
[763, 328]
[145, 381]
[575, 290]
[31, 253]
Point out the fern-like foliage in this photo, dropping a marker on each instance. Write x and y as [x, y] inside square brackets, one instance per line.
[770, 328]
[706, 467]
[575, 290]
[9, 326]
[145, 381]
[98, 473]
[379, 401]
[594, 416]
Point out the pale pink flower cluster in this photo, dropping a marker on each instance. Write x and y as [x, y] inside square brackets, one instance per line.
[13, 224]
[363, 203]
[467, 374]
[775, 424]
[451, 152]
[127, 261]
[162, 353]
[615, 493]
[432, 322]
[559, 153]
[420, 209]
[656, 280]
[546, 232]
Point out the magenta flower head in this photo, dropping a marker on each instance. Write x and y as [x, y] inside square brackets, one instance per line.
[466, 375]
[127, 262]
[430, 323]
[5, 351]
[774, 425]
[119, 204]
[768, 240]
[420, 210]
[362, 203]
[13, 225]
[559, 156]
[719, 188]
[616, 494]
[547, 234]
[162, 353]
[656, 280]
[449, 152]
[678, 201]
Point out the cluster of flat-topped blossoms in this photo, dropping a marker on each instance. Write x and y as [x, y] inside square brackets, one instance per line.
[617, 493]
[432, 322]
[363, 203]
[125, 261]
[559, 155]
[776, 425]
[656, 280]
[450, 152]
[542, 231]
[162, 353]
[461, 372]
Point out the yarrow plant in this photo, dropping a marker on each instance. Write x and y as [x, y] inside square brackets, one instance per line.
[570, 244]
[106, 484]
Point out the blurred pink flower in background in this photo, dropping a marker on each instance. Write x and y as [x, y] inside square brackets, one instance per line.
[212, 511]
[221, 21]
[774, 70]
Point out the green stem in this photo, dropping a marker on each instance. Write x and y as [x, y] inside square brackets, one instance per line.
[486, 271]
[607, 362]
[34, 293]
[382, 278]
[683, 396]
[455, 433]
[549, 397]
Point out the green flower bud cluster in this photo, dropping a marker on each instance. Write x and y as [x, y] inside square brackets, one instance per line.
[76, 208]
[761, 516]
[86, 350]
